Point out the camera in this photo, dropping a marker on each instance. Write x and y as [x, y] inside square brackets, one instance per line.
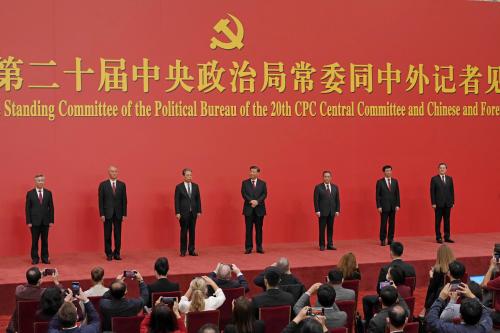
[454, 286]
[129, 274]
[48, 272]
[312, 312]
[168, 300]
[75, 288]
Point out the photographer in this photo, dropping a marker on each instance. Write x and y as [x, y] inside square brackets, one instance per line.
[452, 309]
[304, 322]
[222, 276]
[493, 284]
[163, 319]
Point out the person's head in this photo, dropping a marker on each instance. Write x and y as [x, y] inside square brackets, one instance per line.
[50, 301]
[209, 328]
[397, 250]
[272, 277]
[113, 172]
[456, 270]
[442, 168]
[198, 293]
[496, 252]
[476, 289]
[347, 264]
[188, 174]
[283, 264]
[471, 311]
[326, 295]
[39, 181]
[396, 274]
[327, 176]
[243, 315]
[97, 275]
[161, 267]
[33, 276]
[68, 315]
[118, 289]
[224, 272]
[254, 172]
[387, 169]
[162, 319]
[388, 296]
[335, 276]
[444, 258]
[311, 325]
[397, 318]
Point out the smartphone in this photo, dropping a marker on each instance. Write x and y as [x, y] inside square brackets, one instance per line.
[316, 312]
[384, 284]
[48, 272]
[497, 256]
[75, 288]
[129, 274]
[168, 300]
[454, 286]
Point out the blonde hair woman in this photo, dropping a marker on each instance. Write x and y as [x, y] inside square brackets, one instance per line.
[349, 267]
[196, 299]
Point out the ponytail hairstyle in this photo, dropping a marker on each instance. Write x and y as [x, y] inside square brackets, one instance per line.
[199, 292]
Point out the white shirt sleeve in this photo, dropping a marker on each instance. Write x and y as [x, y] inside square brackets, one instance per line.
[184, 304]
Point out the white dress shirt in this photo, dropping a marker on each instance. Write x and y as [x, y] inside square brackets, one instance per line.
[211, 303]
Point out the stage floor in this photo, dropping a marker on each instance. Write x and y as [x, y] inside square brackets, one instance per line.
[307, 262]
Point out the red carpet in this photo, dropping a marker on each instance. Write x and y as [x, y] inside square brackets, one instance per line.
[309, 264]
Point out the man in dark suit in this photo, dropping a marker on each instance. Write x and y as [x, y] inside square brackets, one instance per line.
[388, 203]
[162, 283]
[443, 200]
[222, 276]
[113, 211]
[273, 296]
[66, 319]
[286, 278]
[388, 298]
[187, 210]
[327, 207]
[39, 218]
[254, 193]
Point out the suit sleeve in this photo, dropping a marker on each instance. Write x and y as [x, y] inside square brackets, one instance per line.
[382, 274]
[378, 195]
[51, 208]
[177, 200]
[338, 200]
[259, 280]
[244, 194]
[263, 195]
[433, 192]
[28, 209]
[199, 200]
[124, 200]
[100, 193]
[452, 189]
[398, 201]
[316, 199]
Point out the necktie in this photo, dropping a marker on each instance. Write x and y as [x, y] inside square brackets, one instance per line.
[254, 183]
[443, 179]
[114, 187]
[389, 184]
[189, 189]
[40, 197]
[328, 188]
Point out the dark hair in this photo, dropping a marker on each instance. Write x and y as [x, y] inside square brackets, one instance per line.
[476, 289]
[118, 289]
[162, 320]
[186, 170]
[397, 249]
[51, 301]
[39, 175]
[442, 163]
[456, 269]
[388, 295]
[335, 276]
[33, 275]
[255, 168]
[272, 276]
[397, 274]
[327, 171]
[326, 295]
[311, 325]
[243, 315]
[385, 167]
[471, 311]
[97, 274]
[67, 315]
[161, 266]
[208, 328]
[397, 316]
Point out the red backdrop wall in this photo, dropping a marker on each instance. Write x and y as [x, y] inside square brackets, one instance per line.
[292, 152]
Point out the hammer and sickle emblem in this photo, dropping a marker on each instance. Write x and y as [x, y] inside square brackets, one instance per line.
[235, 39]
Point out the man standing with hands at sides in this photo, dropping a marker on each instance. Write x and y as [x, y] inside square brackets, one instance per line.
[443, 200]
[39, 218]
[327, 207]
[388, 203]
[187, 210]
[254, 193]
[113, 210]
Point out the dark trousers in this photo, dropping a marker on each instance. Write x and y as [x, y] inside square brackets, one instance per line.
[112, 226]
[370, 305]
[37, 232]
[326, 223]
[250, 220]
[384, 217]
[188, 224]
[442, 213]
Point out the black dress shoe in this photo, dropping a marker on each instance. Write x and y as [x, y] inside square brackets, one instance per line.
[193, 254]
[117, 257]
[439, 241]
[248, 251]
[261, 251]
[389, 242]
[47, 261]
[183, 254]
[109, 258]
[35, 261]
[331, 248]
[322, 248]
[449, 240]
[382, 243]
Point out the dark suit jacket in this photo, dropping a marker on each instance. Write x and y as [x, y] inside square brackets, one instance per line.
[161, 285]
[378, 323]
[110, 203]
[324, 202]
[228, 284]
[272, 297]
[258, 327]
[93, 322]
[185, 204]
[286, 280]
[442, 195]
[408, 270]
[249, 193]
[387, 200]
[39, 214]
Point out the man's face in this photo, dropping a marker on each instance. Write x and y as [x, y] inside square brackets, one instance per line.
[388, 172]
[254, 173]
[327, 178]
[442, 169]
[113, 173]
[39, 182]
[188, 176]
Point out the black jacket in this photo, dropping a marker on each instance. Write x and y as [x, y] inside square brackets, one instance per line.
[185, 204]
[161, 285]
[442, 194]
[110, 203]
[228, 284]
[272, 297]
[387, 200]
[324, 202]
[39, 214]
[286, 280]
[408, 270]
[258, 193]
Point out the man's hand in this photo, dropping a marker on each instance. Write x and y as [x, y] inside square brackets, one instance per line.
[445, 292]
[124, 218]
[69, 296]
[493, 263]
[178, 216]
[236, 270]
[453, 296]
[55, 277]
[322, 321]
[431, 273]
[434, 206]
[198, 215]
[51, 224]
[254, 203]
[210, 282]
[120, 277]
[397, 208]
[139, 277]
[314, 288]
[301, 315]
[379, 210]
[103, 218]
[337, 213]
[30, 225]
[465, 290]
[318, 214]
[82, 297]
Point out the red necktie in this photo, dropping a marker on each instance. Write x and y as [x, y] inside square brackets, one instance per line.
[254, 183]
[328, 189]
[40, 198]
[114, 188]
[389, 184]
